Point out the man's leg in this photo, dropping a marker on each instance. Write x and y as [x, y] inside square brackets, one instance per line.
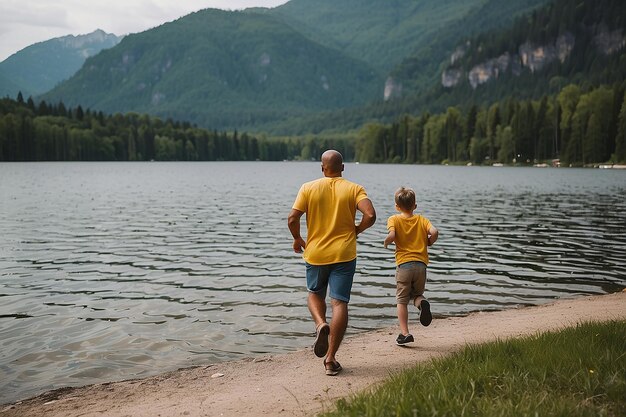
[338, 326]
[317, 308]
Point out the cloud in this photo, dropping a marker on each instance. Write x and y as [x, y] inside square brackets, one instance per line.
[15, 16]
[122, 17]
[16, 13]
[25, 22]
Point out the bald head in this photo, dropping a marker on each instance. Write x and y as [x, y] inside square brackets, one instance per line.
[332, 163]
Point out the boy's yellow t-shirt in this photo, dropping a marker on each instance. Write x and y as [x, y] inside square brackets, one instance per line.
[411, 237]
[330, 207]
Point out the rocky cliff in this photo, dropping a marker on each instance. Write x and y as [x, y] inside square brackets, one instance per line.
[91, 43]
[528, 56]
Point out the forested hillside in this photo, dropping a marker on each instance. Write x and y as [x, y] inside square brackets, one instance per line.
[521, 62]
[263, 68]
[549, 87]
[406, 41]
[576, 127]
[420, 70]
[383, 33]
[220, 70]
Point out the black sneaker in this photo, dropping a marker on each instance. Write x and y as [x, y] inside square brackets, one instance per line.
[403, 340]
[425, 315]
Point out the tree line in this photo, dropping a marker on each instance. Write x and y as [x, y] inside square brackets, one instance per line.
[577, 126]
[41, 131]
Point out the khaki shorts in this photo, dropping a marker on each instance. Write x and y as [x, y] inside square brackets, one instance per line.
[410, 281]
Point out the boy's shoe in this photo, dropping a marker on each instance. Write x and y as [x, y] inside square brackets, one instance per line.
[320, 346]
[425, 316]
[332, 368]
[403, 340]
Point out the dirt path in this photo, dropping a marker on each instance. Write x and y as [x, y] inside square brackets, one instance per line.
[294, 384]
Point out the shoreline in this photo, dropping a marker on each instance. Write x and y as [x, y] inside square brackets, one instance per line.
[294, 383]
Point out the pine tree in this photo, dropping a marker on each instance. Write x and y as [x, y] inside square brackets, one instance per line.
[620, 139]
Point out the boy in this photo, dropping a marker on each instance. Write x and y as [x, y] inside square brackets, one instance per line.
[412, 235]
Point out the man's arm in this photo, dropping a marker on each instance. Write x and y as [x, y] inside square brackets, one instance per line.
[366, 207]
[293, 221]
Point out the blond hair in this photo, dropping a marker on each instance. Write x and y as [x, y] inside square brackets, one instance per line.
[405, 198]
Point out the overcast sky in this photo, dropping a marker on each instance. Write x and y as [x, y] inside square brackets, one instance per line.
[25, 22]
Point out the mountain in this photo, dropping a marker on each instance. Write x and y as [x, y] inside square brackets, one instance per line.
[421, 69]
[526, 56]
[9, 87]
[546, 81]
[263, 67]
[39, 67]
[310, 66]
[381, 33]
[221, 70]
[580, 42]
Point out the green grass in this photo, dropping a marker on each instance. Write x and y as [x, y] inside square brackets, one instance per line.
[580, 371]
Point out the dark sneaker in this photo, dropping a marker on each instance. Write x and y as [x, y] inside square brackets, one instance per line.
[425, 316]
[403, 340]
[320, 346]
[332, 368]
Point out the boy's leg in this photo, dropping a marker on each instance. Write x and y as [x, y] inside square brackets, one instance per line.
[403, 294]
[419, 285]
[418, 300]
[403, 318]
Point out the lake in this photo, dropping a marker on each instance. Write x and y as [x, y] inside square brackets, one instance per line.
[111, 271]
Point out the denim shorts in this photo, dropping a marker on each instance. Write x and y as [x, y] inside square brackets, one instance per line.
[338, 277]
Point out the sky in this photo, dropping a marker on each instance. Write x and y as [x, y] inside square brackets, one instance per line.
[25, 22]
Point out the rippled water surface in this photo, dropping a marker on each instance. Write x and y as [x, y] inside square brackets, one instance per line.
[116, 270]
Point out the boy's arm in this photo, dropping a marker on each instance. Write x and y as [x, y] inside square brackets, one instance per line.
[433, 234]
[391, 237]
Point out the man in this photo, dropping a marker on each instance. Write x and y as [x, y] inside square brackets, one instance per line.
[330, 204]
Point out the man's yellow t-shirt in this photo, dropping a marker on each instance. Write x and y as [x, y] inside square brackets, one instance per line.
[330, 207]
[411, 237]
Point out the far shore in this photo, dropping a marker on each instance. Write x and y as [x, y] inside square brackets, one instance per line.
[294, 384]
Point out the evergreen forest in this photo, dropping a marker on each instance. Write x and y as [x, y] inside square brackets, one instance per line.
[579, 127]
[43, 132]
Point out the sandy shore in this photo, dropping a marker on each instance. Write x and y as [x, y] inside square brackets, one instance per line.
[294, 384]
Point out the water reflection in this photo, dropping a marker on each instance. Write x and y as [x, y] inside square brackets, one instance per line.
[118, 270]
